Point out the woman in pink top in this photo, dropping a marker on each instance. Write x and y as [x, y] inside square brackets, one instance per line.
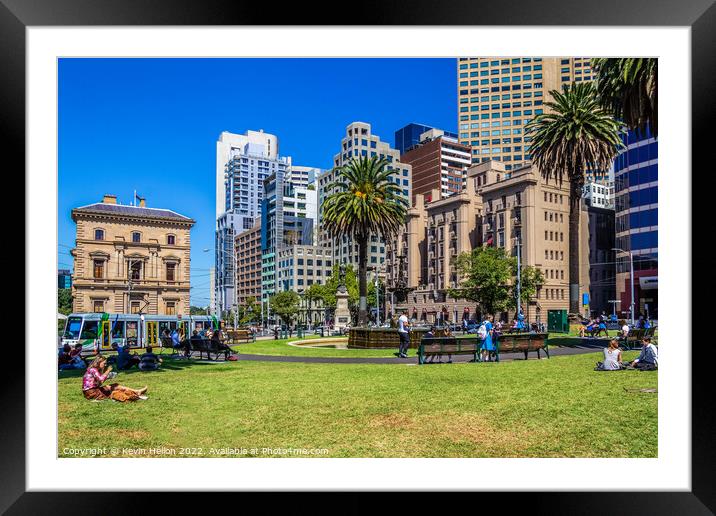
[95, 376]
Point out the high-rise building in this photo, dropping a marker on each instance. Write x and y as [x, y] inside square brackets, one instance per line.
[288, 218]
[497, 97]
[300, 266]
[64, 278]
[410, 135]
[248, 264]
[599, 195]
[602, 269]
[243, 161]
[636, 211]
[131, 259]
[439, 162]
[302, 176]
[360, 142]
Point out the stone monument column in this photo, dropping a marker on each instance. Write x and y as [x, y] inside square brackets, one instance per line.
[343, 314]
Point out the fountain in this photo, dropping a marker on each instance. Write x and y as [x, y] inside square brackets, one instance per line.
[364, 337]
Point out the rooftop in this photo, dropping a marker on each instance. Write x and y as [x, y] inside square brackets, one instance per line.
[132, 211]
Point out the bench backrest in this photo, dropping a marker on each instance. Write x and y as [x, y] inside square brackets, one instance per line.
[521, 341]
[448, 345]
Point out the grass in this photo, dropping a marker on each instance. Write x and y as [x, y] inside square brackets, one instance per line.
[281, 348]
[547, 408]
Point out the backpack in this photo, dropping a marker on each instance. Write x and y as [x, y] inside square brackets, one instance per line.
[482, 332]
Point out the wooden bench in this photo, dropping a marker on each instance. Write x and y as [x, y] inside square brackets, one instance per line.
[240, 335]
[633, 340]
[520, 342]
[438, 346]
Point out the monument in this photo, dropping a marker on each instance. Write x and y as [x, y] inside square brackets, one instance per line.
[343, 314]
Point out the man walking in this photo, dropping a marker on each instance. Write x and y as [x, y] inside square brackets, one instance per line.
[403, 328]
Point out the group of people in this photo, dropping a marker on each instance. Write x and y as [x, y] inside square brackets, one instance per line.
[71, 358]
[487, 333]
[648, 359]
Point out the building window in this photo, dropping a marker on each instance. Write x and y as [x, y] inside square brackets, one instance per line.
[171, 240]
[170, 308]
[134, 308]
[135, 270]
[98, 269]
[98, 306]
[99, 234]
[136, 236]
[171, 271]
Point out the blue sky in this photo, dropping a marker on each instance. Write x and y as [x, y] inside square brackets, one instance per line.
[152, 125]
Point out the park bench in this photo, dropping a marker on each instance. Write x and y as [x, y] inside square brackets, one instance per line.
[521, 342]
[633, 340]
[438, 346]
[204, 345]
[240, 335]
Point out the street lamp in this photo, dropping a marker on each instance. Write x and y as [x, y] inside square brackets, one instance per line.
[631, 274]
[236, 305]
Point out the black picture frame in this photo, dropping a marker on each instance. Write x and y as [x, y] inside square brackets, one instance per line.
[700, 15]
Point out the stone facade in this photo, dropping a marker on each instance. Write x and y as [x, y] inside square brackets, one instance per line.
[130, 259]
[497, 208]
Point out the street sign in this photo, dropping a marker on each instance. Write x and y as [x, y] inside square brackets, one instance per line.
[585, 298]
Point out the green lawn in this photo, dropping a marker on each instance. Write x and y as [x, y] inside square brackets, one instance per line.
[539, 408]
[281, 348]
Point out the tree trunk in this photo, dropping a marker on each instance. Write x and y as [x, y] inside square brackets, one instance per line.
[574, 214]
[362, 280]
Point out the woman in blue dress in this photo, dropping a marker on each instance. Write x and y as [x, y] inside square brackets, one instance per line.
[488, 347]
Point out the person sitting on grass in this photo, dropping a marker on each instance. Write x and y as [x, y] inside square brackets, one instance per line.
[648, 359]
[149, 361]
[602, 327]
[125, 359]
[612, 358]
[92, 388]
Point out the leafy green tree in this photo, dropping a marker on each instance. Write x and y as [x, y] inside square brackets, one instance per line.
[64, 301]
[365, 201]
[285, 305]
[197, 310]
[576, 135]
[487, 273]
[628, 88]
[249, 312]
[530, 279]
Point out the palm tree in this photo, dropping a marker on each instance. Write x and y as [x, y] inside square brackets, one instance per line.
[575, 136]
[628, 87]
[365, 201]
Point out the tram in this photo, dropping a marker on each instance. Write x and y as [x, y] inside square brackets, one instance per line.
[99, 332]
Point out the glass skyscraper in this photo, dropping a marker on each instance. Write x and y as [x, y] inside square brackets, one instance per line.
[637, 226]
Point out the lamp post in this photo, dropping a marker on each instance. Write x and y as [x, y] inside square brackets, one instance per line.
[519, 278]
[631, 274]
[377, 299]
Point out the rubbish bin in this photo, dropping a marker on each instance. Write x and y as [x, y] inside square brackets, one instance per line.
[557, 321]
[299, 333]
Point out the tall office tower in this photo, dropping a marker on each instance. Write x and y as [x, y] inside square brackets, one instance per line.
[439, 162]
[359, 141]
[288, 218]
[497, 97]
[637, 231]
[410, 135]
[243, 161]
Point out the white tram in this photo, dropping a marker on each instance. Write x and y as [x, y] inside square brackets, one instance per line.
[100, 331]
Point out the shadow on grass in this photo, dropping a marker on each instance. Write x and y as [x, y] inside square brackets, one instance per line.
[168, 364]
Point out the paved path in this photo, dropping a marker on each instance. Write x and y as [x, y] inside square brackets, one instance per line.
[413, 360]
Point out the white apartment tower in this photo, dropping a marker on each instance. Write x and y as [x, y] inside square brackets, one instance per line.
[243, 161]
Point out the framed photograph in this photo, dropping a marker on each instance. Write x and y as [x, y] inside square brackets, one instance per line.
[417, 252]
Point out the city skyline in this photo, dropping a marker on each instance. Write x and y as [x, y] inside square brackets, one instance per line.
[128, 125]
